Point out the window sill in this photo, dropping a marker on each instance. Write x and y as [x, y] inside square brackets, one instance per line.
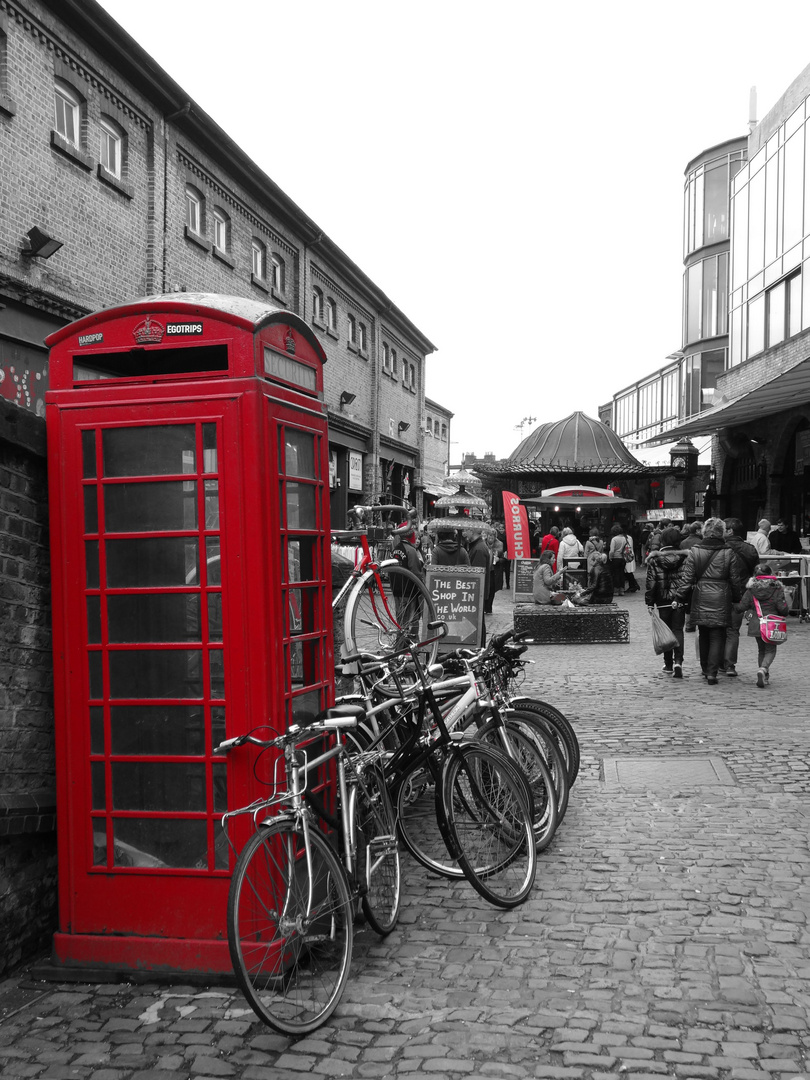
[8, 105]
[410, 389]
[113, 181]
[363, 354]
[331, 333]
[389, 374]
[278, 295]
[260, 283]
[317, 322]
[350, 345]
[58, 142]
[223, 257]
[195, 238]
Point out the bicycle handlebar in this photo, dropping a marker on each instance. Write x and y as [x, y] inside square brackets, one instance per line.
[388, 508]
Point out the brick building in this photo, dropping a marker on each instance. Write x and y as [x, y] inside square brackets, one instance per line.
[115, 185]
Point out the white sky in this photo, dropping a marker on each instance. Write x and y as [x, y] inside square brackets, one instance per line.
[510, 174]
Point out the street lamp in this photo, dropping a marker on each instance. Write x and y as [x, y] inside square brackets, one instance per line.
[525, 420]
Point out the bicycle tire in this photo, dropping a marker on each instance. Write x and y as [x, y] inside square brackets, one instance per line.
[540, 731]
[384, 608]
[490, 822]
[291, 960]
[378, 866]
[415, 800]
[569, 743]
[525, 750]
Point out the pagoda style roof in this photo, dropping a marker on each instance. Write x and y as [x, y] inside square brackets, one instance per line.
[577, 444]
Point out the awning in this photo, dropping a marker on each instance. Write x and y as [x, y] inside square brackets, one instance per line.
[570, 500]
[790, 388]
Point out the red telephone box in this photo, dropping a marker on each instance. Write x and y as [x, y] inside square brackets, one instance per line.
[189, 500]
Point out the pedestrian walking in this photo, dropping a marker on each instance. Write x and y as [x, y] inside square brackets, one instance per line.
[664, 565]
[747, 559]
[616, 557]
[710, 583]
[448, 551]
[569, 548]
[479, 555]
[630, 567]
[763, 596]
[496, 569]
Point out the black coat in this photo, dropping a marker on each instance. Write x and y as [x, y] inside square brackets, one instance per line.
[710, 573]
[663, 569]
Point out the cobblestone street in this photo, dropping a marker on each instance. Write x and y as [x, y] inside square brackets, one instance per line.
[666, 935]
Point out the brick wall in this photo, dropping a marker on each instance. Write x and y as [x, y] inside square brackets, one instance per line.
[27, 785]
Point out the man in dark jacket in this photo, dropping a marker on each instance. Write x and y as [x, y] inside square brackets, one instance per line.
[480, 556]
[663, 567]
[448, 551]
[711, 576]
[747, 558]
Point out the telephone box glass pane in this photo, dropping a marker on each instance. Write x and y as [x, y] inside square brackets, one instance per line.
[91, 509]
[155, 507]
[215, 616]
[209, 448]
[216, 662]
[303, 663]
[159, 842]
[212, 560]
[300, 506]
[94, 620]
[299, 453]
[217, 724]
[156, 673]
[154, 563]
[154, 617]
[91, 560]
[89, 454]
[211, 504]
[157, 729]
[97, 781]
[95, 668]
[220, 773]
[158, 785]
[149, 451]
[301, 603]
[305, 707]
[96, 730]
[301, 559]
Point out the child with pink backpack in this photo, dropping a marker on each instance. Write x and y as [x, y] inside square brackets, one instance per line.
[765, 601]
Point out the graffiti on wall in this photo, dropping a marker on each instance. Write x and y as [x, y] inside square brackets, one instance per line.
[23, 377]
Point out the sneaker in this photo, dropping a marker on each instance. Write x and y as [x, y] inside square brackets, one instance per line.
[667, 669]
[677, 672]
[761, 679]
[711, 680]
[731, 671]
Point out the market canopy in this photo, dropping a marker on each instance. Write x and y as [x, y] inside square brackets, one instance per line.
[567, 501]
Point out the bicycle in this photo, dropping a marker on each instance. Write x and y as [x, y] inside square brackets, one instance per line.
[292, 898]
[384, 600]
[481, 805]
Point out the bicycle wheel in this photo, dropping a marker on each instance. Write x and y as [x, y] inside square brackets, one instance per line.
[490, 821]
[415, 805]
[562, 727]
[384, 608]
[525, 749]
[544, 736]
[378, 870]
[290, 927]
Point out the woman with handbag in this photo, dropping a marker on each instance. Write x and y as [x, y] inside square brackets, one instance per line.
[711, 577]
[765, 598]
[663, 567]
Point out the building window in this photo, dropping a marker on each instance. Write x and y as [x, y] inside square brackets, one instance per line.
[317, 304]
[221, 229]
[112, 148]
[331, 314]
[352, 329]
[429, 426]
[444, 432]
[258, 254]
[68, 113]
[393, 361]
[386, 356]
[362, 339]
[277, 270]
[194, 210]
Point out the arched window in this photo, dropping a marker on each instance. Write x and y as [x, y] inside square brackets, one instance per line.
[222, 229]
[444, 432]
[111, 154]
[429, 426]
[394, 361]
[362, 339]
[68, 106]
[277, 269]
[194, 210]
[352, 329]
[259, 259]
[386, 356]
[317, 304]
[331, 314]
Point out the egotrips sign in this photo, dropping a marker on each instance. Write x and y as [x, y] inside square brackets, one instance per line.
[518, 540]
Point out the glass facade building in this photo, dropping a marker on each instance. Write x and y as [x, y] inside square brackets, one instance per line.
[770, 271]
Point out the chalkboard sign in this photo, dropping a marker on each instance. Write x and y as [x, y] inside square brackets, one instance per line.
[522, 578]
[458, 597]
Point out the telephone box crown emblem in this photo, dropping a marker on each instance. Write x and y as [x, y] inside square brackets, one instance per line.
[148, 332]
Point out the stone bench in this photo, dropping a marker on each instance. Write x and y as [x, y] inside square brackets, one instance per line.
[550, 625]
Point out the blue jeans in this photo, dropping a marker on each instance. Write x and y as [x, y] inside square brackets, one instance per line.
[712, 643]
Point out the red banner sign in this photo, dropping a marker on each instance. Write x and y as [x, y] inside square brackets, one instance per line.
[518, 539]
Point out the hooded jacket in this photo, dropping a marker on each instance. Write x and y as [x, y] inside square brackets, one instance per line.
[746, 554]
[570, 548]
[710, 572]
[663, 569]
[449, 552]
[772, 601]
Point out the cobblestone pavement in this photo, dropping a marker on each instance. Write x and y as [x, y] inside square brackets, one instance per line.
[666, 935]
